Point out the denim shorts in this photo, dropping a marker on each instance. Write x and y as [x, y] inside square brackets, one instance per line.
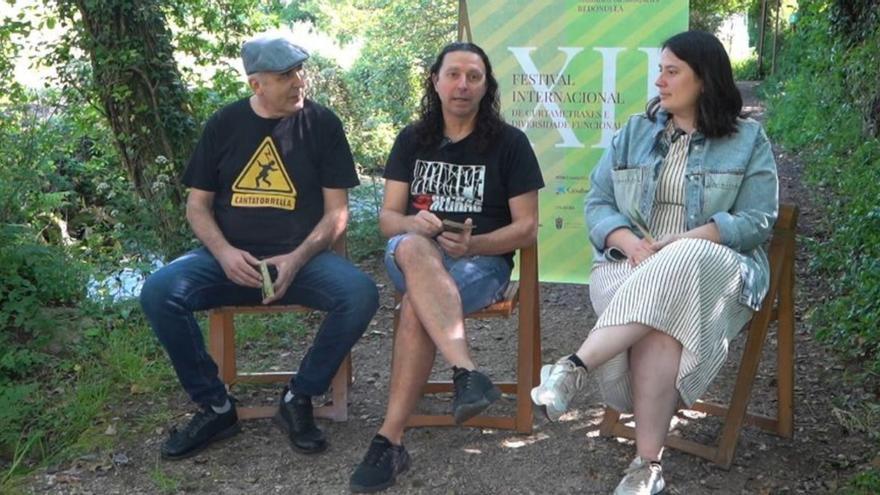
[481, 280]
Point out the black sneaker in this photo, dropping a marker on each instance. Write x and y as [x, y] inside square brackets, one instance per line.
[298, 422]
[474, 392]
[383, 462]
[205, 428]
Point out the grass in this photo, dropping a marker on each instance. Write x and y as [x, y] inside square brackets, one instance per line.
[118, 362]
[262, 340]
[68, 406]
[165, 483]
[866, 482]
[112, 360]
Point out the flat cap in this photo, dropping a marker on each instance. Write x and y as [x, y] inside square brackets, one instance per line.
[271, 52]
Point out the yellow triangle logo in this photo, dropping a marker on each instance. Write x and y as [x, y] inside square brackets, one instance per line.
[264, 181]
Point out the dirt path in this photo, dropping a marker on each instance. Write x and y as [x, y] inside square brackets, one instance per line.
[566, 457]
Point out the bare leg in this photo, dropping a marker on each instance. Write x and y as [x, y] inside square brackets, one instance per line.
[606, 342]
[411, 363]
[654, 363]
[434, 298]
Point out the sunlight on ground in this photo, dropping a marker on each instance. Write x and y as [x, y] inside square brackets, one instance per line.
[517, 442]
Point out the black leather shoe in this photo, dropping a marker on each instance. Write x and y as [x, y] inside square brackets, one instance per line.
[205, 428]
[473, 393]
[297, 421]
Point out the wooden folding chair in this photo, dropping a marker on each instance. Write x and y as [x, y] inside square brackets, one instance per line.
[778, 306]
[222, 349]
[525, 295]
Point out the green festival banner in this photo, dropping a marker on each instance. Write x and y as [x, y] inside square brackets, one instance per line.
[570, 73]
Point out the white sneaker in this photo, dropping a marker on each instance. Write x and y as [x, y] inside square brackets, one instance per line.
[559, 384]
[641, 478]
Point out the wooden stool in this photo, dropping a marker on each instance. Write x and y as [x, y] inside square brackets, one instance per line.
[222, 349]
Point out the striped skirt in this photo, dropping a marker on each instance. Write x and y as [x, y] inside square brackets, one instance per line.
[688, 290]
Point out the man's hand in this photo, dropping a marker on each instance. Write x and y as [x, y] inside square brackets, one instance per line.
[287, 266]
[457, 244]
[425, 223]
[240, 267]
[638, 251]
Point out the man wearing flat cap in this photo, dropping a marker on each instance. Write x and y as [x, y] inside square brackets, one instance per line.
[268, 182]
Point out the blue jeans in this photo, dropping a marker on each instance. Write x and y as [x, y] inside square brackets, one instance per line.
[481, 280]
[196, 282]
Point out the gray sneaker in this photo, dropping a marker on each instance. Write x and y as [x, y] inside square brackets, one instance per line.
[559, 384]
[641, 478]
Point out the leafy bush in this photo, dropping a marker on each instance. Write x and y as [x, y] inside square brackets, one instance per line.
[39, 285]
[746, 70]
[823, 104]
[36, 283]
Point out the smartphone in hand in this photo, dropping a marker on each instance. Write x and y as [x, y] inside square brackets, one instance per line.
[456, 227]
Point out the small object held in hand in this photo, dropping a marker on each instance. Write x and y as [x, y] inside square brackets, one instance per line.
[268, 289]
[456, 227]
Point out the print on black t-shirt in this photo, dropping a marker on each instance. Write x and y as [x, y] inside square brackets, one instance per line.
[461, 180]
[268, 175]
[440, 186]
[264, 181]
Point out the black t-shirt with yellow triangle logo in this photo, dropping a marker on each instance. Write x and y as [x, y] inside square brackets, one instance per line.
[268, 174]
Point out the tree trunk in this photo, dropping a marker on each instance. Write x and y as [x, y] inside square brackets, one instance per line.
[136, 82]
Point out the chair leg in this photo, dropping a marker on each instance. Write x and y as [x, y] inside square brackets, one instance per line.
[745, 379]
[785, 350]
[221, 344]
[609, 419]
[525, 365]
[340, 389]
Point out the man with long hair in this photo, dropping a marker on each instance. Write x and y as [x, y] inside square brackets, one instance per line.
[461, 194]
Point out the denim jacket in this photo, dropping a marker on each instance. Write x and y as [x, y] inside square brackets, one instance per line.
[731, 181]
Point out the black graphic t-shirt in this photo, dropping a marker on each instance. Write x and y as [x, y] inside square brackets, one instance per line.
[267, 174]
[456, 181]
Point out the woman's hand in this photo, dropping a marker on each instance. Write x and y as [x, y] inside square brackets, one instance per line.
[664, 241]
[638, 251]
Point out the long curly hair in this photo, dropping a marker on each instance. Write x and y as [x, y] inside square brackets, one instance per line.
[429, 127]
[720, 103]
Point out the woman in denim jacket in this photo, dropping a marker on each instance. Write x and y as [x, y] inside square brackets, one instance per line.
[679, 210]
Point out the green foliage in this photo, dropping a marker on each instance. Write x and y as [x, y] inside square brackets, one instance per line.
[89, 184]
[59, 409]
[854, 20]
[37, 283]
[866, 482]
[823, 105]
[746, 70]
[127, 69]
[707, 15]
[401, 39]
[12, 31]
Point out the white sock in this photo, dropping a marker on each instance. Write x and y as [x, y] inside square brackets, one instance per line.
[288, 396]
[224, 408]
